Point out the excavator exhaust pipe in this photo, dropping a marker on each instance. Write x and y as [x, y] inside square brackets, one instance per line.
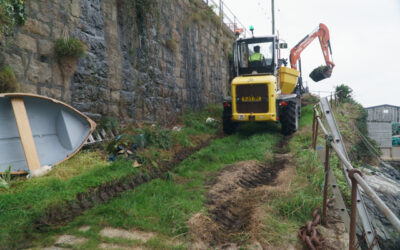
[321, 73]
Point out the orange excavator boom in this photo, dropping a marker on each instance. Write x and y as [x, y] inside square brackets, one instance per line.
[322, 33]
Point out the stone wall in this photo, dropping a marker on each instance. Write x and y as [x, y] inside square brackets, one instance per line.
[146, 60]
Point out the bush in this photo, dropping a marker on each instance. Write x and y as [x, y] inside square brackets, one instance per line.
[108, 123]
[171, 45]
[344, 93]
[12, 12]
[8, 81]
[71, 47]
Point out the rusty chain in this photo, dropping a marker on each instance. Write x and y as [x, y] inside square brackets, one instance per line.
[310, 234]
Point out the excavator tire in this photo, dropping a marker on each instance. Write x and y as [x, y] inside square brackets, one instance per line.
[289, 117]
[228, 126]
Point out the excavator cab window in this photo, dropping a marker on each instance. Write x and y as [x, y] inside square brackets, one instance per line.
[254, 55]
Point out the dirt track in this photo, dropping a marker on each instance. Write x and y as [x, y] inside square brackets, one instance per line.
[234, 199]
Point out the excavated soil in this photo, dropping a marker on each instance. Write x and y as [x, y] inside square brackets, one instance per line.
[234, 201]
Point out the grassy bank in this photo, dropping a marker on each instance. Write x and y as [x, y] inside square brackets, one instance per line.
[164, 205]
[26, 200]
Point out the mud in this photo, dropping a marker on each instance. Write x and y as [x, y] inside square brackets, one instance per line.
[234, 199]
[61, 214]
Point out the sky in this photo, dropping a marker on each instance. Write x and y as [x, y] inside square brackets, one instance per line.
[364, 38]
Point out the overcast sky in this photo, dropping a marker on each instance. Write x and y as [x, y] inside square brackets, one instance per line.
[365, 39]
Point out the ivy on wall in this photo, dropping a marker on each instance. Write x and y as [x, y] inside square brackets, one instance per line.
[12, 12]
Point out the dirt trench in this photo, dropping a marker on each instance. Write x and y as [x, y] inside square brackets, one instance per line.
[234, 201]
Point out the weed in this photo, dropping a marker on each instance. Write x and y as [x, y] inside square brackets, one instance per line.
[12, 12]
[108, 123]
[70, 47]
[8, 81]
[171, 45]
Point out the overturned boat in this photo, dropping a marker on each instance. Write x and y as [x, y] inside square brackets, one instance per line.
[36, 131]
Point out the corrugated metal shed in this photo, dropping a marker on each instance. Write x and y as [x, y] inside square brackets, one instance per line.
[383, 113]
[379, 122]
[381, 132]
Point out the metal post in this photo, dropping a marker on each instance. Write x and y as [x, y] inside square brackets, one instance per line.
[325, 202]
[353, 215]
[316, 135]
[313, 127]
[273, 16]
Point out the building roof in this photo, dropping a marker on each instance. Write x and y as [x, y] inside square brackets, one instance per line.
[382, 105]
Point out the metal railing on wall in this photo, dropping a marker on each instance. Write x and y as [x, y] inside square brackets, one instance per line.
[354, 177]
[227, 16]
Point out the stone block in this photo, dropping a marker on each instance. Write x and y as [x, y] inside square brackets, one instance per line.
[36, 27]
[39, 72]
[33, 6]
[28, 88]
[115, 96]
[104, 94]
[26, 42]
[50, 92]
[57, 76]
[45, 47]
[76, 8]
[43, 18]
[113, 110]
[15, 62]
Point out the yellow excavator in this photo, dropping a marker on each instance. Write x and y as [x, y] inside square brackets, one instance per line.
[264, 89]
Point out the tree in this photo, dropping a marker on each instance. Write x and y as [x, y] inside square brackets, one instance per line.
[344, 93]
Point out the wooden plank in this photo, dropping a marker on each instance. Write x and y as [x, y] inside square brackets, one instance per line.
[25, 133]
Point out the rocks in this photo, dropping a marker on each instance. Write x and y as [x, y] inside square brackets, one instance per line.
[130, 235]
[127, 72]
[385, 182]
[70, 240]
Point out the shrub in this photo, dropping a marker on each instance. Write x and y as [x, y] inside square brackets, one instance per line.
[71, 47]
[8, 81]
[171, 45]
[108, 123]
[12, 12]
[344, 93]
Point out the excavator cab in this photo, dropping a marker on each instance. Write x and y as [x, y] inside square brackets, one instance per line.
[254, 56]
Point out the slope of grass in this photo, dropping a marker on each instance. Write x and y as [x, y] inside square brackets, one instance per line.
[26, 200]
[164, 206]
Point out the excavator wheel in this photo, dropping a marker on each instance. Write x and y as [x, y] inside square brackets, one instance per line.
[289, 117]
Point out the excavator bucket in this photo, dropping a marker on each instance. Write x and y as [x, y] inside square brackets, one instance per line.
[321, 73]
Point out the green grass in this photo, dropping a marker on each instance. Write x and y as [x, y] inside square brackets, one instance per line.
[21, 208]
[26, 200]
[8, 81]
[70, 47]
[289, 210]
[164, 206]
